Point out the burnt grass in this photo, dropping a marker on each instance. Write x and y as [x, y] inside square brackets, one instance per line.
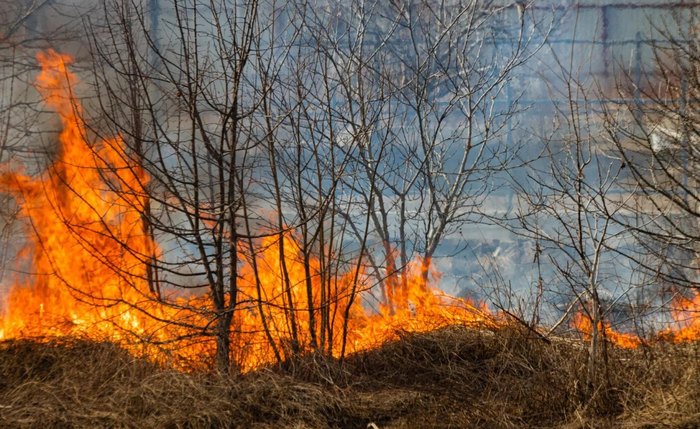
[451, 378]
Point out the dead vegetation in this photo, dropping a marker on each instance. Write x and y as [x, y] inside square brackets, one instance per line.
[455, 377]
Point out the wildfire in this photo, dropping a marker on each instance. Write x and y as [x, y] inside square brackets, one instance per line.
[685, 328]
[686, 313]
[82, 274]
[88, 244]
[584, 324]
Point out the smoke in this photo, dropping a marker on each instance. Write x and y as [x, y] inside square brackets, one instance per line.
[594, 43]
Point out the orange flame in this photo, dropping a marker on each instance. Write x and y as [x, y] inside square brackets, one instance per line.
[686, 314]
[584, 324]
[685, 327]
[72, 211]
[88, 245]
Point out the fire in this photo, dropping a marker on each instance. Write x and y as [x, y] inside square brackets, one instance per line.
[71, 210]
[88, 245]
[584, 324]
[86, 236]
[423, 308]
[685, 326]
[686, 314]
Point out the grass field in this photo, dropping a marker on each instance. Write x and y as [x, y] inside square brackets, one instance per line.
[451, 378]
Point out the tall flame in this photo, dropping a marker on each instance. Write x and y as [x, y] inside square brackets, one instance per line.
[88, 244]
[85, 236]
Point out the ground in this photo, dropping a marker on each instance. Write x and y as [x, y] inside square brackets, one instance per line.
[452, 378]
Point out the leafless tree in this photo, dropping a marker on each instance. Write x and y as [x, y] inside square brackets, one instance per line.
[349, 139]
[569, 206]
[232, 112]
[187, 100]
[23, 30]
[654, 129]
[426, 98]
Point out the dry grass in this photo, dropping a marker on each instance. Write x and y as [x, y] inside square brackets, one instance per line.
[454, 377]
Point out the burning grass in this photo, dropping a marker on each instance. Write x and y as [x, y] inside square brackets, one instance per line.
[453, 377]
[92, 252]
[483, 374]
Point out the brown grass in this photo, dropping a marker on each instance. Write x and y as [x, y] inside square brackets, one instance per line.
[454, 377]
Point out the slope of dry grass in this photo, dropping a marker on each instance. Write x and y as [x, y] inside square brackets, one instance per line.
[454, 377]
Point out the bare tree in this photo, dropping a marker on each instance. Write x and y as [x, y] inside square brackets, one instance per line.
[186, 100]
[23, 30]
[654, 129]
[323, 116]
[232, 113]
[426, 98]
[568, 208]
[569, 205]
